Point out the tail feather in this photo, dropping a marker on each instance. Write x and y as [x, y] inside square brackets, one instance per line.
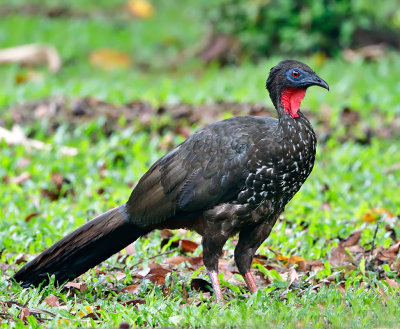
[81, 250]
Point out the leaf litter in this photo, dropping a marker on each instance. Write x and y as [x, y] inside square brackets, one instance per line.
[284, 273]
[178, 118]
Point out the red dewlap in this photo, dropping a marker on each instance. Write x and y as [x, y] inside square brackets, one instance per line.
[291, 99]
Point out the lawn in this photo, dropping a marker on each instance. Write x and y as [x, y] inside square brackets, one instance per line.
[357, 171]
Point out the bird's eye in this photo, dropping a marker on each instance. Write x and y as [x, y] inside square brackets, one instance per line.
[295, 73]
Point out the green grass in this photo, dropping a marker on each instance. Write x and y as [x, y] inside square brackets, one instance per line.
[351, 178]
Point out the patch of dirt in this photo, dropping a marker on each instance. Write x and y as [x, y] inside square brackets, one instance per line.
[74, 112]
[178, 118]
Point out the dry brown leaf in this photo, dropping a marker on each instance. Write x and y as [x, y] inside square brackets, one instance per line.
[184, 131]
[388, 255]
[130, 250]
[223, 267]
[109, 59]
[24, 314]
[20, 179]
[30, 216]
[133, 302]
[16, 136]
[32, 55]
[119, 276]
[293, 276]
[188, 246]
[372, 215]
[77, 285]
[369, 52]
[57, 191]
[165, 234]
[302, 266]
[132, 289]
[52, 301]
[156, 278]
[140, 8]
[196, 262]
[176, 260]
[392, 283]
[20, 259]
[259, 259]
[290, 259]
[317, 265]
[338, 256]
[352, 240]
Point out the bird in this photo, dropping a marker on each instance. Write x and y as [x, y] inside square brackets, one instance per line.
[233, 177]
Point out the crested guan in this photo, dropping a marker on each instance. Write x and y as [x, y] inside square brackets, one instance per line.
[234, 176]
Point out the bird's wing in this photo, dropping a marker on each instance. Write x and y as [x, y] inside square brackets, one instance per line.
[208, 168]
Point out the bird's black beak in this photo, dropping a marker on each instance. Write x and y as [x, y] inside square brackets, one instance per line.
[315, 80]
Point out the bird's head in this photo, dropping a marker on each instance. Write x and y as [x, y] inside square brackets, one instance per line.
[287, 83]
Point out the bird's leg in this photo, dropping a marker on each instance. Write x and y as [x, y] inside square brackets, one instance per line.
[250, 239]
[251, 284]
[212, 250]
[215, 284]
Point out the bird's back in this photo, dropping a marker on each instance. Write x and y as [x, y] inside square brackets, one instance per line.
[208, 168]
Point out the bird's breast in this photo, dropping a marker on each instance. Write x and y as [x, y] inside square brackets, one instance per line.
[278, 171]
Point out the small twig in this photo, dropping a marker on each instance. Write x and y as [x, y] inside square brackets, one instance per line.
[373, 239]
[152, 257]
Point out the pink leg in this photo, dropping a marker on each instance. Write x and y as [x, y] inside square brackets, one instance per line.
[215, 283]
[251, 284]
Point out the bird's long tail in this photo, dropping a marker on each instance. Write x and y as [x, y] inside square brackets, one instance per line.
[81, 250]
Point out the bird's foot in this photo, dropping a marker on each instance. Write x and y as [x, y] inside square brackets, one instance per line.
[251, 284]
[216, 286]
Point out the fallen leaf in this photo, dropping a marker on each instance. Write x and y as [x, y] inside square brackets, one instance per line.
[119, 276]
[349, 117]
[338, 256]
[130, 250]
[77, 285]
[24, 314]
[28, 77]
[388, 255]
[132, 289]
[372, 215]
[52, 301]
[20, 179]
[186, 245]
[392, 283]
[165, 234]
[156, 278]
[352, 239]
[30, 216]
[196, 262]
[16, 136]
[140, 8]
[32, 55]
[20, 259]
[369, 52]
[291, 259]
[133, 302]
[109, 59]
[58, 190]
[260, 259]
[176, 260]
